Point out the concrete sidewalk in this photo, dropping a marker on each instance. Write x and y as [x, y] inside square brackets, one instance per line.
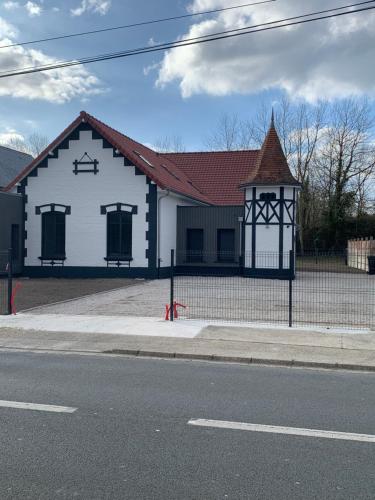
[250, 344]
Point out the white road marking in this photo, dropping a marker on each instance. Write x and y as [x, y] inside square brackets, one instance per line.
[38, 407]
[294, 431]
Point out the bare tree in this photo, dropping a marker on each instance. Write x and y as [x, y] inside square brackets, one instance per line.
[170, 144]
[301, 128]
[345, 162]
[231, 134]
[33, 145]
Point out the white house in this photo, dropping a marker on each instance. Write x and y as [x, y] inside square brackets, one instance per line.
[98, 203]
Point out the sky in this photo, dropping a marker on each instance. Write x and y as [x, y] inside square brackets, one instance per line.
[182, 92]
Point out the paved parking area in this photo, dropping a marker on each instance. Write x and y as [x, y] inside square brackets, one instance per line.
[136, 298]
[38, 292]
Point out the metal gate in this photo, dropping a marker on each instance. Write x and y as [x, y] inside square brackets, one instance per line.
[327, 291]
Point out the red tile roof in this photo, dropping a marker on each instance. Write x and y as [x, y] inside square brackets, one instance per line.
[271, 167]
[209, 177]
[218, 174]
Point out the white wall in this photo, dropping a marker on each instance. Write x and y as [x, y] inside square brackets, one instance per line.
[167, 223]
[85, 193]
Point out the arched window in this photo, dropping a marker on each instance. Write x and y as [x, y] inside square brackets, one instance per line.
[119, 231]
[53, 231]
[53, 236]
[119, 235]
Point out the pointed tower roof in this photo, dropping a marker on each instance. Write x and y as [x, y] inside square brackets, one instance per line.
[271, 167]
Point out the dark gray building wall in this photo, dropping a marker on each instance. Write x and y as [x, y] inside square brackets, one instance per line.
[11, 213]
[210, 219]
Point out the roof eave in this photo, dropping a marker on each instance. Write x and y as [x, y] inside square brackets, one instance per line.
[295, 184]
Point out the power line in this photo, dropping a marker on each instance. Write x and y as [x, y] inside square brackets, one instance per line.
[184, 42]
[134, 25]
[190, 41]
[168, 45]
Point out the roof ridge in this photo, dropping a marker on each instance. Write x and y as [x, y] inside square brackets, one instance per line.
[180, 171]
[84, 113]
[210, 152]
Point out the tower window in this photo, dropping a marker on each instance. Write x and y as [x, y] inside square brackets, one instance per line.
[267, 197]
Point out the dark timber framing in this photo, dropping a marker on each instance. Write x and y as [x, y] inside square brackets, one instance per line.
[253, 229]
[271, 212]
[281, 232]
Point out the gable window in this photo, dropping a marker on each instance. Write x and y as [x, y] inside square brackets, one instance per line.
[194, 245]
[225, 245]
[267, 197]
[53, 236]
[119, 235]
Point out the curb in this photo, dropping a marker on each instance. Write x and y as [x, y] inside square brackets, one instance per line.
[241, 360]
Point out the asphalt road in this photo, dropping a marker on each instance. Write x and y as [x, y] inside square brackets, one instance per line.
[129, 437]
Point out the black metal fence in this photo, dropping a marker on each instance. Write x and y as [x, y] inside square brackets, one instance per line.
[6, 282]
[321, 289]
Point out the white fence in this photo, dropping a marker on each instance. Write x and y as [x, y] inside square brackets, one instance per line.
[358, 251]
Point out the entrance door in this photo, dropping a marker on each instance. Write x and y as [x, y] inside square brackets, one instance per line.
[194, 245]
[225, 245]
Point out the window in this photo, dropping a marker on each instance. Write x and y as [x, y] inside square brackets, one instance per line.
[53, 235]
[194, 245]
[267, 196]
[119, 235]
[15, 241]
[225, 245]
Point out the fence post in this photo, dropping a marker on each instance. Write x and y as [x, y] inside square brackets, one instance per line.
[10, 280]
[291, 276]
[171, 299]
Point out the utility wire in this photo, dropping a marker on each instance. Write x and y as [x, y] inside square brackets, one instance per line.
[134, 25]
[189, 41]
[184, 42]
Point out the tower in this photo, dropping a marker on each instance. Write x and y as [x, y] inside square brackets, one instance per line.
[270, 212]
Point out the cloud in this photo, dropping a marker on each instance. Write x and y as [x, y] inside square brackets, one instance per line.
[325, 59]
[57, 86]
[10, 5]
[33, 9]
[96, 6]
[9, 136]
[7, 30]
